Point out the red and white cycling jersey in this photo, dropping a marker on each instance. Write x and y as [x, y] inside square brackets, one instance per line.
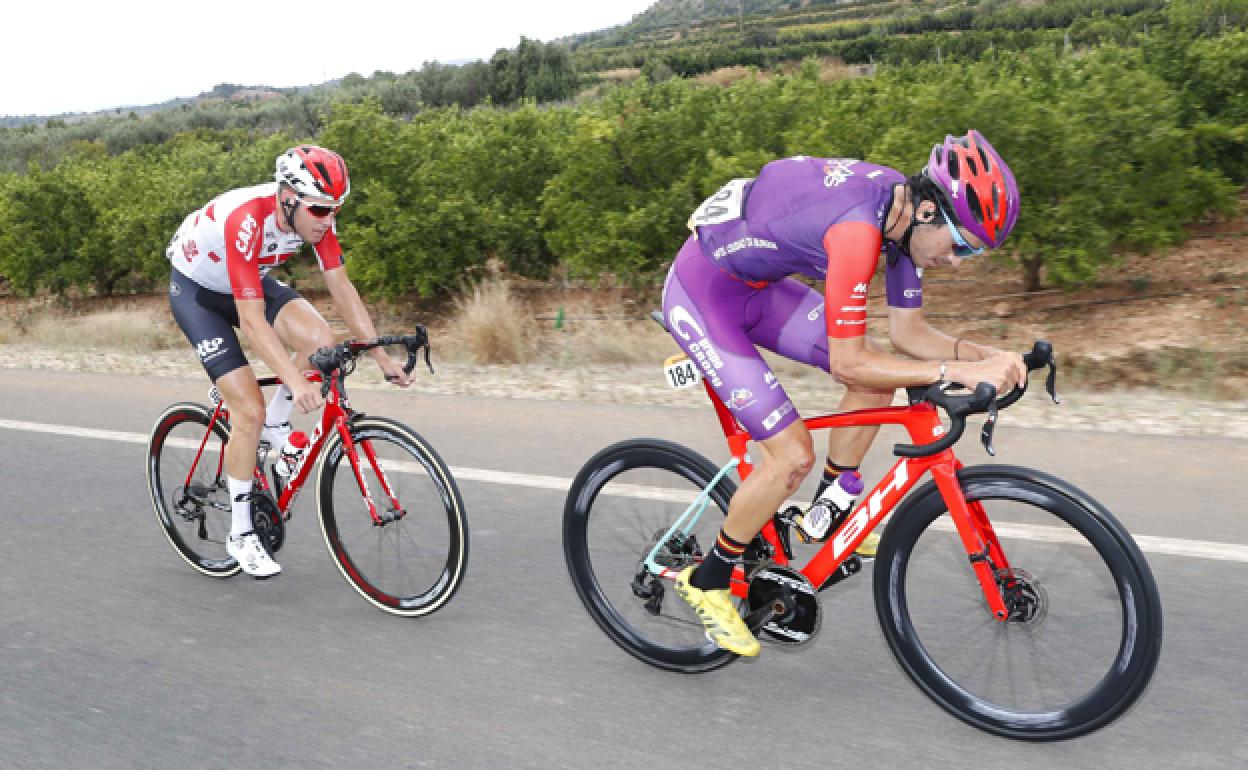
[230, 244]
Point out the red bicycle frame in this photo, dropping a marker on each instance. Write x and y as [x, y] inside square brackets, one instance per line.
[922, 422]
[335, 417]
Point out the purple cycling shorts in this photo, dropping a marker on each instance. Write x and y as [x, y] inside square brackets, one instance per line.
[718, 320]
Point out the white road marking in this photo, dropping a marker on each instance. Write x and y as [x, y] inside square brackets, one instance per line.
[1169, 546]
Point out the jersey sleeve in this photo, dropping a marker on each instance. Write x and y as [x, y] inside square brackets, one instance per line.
[853, 250]
[903, 280]
[329, 251]
[243, 236]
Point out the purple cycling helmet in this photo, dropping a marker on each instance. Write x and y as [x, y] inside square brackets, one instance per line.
[977, 185]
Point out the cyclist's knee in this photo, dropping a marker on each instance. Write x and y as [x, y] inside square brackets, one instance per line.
[314, 336]
[792, 456]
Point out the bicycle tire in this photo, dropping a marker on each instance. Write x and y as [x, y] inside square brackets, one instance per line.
[602, 574]
[198, 528]
[1093, 573]
[372, 558]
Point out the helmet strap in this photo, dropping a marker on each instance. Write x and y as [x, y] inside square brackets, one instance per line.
[289, 207]
[915, 201]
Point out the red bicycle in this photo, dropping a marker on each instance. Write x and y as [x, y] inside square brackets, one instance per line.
[389, 509]
[1014, 600]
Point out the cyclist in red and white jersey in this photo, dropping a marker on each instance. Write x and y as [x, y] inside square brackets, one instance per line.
[221, 258]
[730, 291]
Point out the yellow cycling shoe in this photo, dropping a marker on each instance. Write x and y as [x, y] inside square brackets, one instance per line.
[717, 612]
[869, 546]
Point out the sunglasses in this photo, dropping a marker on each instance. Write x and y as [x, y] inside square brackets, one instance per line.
[320, 212]
[960, 245]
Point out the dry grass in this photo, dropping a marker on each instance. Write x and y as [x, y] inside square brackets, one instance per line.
[123, 328]
[492, 326]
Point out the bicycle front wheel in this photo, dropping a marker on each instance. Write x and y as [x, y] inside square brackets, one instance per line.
[619, 507]
[187, 483]
[1084, 629]
[411, 560]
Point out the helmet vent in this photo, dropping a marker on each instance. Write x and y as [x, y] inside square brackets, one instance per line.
[955, 170]
[972, 201]
[983, 157]
[970, 163]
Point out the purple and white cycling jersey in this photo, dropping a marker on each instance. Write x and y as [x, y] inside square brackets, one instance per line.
[730, 289]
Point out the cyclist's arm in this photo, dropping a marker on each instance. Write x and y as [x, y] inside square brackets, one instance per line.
[357, 319]
[853, 249]
[911, 334]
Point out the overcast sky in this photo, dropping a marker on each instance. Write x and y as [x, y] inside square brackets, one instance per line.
[61, 56]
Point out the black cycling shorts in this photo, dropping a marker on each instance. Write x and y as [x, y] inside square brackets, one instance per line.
[208, 320]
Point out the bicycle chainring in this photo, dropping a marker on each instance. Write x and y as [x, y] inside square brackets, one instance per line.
[266, 519]
[788, 602]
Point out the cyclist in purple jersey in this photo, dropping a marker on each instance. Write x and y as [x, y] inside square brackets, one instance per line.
[730, 290]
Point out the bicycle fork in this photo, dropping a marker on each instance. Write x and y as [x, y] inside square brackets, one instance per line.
[983, 549]
[351, 447]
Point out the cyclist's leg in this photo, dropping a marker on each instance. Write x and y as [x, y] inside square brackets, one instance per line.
[207, 319]
[788, 319]
[301, 329]
[709, 314]
[298, 324]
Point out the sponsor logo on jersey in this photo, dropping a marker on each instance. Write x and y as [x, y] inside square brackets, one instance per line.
[175, 289]
[250, 293]
[769, 379]
[748, 242]
[814, 314]
[741, 398]
[209, 349]
[701, 349]
[771, 420]
[860, 291]
[246, 233]
[836, 171]
[912, 293]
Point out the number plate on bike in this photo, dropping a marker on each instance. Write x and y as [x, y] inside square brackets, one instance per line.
[681, 372]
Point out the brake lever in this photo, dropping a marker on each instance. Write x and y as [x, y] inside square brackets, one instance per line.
[990, 424]
[1050, 382]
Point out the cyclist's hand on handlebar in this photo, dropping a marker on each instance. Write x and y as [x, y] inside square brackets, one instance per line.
[306, 395]
[1002, 369]
[393, 371]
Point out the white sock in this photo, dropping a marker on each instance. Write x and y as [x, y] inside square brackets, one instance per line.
[240, 506]
[279, 408]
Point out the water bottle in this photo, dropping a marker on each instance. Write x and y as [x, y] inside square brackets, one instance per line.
[831, 508]
[292, 452]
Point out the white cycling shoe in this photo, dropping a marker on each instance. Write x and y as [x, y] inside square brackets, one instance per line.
[251, 556]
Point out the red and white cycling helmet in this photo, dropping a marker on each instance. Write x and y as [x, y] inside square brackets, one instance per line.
[314, 173]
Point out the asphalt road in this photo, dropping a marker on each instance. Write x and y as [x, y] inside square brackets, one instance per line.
[114, 654]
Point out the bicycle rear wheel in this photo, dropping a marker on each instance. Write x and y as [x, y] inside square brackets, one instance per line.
[620, 504]
[194, 516]
[1085, 629]
[412, 564]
